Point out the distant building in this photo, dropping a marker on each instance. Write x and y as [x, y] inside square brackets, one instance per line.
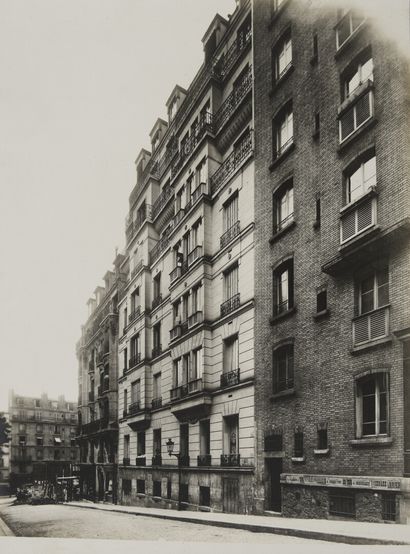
[4, 458]
[43, 444]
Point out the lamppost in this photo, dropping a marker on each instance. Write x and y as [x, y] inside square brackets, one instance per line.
[170, 447]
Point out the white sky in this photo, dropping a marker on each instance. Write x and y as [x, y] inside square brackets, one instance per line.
[82, 83]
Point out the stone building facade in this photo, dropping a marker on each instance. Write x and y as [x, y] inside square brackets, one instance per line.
[331, 242]
[43, 438]
[97, 353]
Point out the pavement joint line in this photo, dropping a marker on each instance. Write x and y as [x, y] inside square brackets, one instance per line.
[260, 528]
[5, 529]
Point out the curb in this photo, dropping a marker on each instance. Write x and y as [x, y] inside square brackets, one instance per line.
[302, 533]
[5, 530]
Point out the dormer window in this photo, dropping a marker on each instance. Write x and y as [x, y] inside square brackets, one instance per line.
[155, 142]
[173, 109]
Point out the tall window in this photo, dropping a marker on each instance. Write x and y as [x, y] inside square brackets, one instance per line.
[346, 27]
[230, 354]
[136, 392]
[360, 179]
[200, 174]
[126, 446]
[282, 56]
[373, 291]
[283, 372]
[141, 443]
[135, 300]
[359, 73]
[230, 213]
[283, 131]
[298, 444]
[156, 338]
[283, 288]
[196, 234]
[231, 435]
[372, 409]
[186, 368]
[204, 437]
[157, 386]
[283, 207]
[125, 357]
[177, 373]
[135, 345]
[172, 110]
[196, 365]
[184, 439]
[157, 442]
[231, 282]
[196, 299]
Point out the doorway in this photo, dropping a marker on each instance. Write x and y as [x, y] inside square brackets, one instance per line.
[274, 466]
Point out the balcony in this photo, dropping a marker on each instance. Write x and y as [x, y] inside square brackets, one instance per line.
[183, 461]
[134, 360]
[178, 271]
[140, 461]
[371, 326]
[156, 302]
[134, 315]
[195, 319]
[134, 408]
[356, 219]
[230, 460]
[189, 400]
[94, 426]
[156, 351]
[175, 332]
[126, 461]
[158, 249]
[273, 443]
[230, 378]
[230, 305]
[231, 164]
[194, 255]
[179, 216]
[156, 403]
[230, 234]
[137, 269]
[162, 201]
[204, 460]
[198, 192]
[233, 101]
[144, 214]
[138, 418]
[124, 413]
[157, 460]
[228, 60]
[186, 389]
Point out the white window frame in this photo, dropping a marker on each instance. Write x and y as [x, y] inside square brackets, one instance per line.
[354, 108]
[287, 195]
[359, 404]
[284, 51]
[349, 14]
[284, 132]
[365, 184]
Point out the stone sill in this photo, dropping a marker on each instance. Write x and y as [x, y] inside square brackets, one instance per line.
[297, 460]
[274, 319]
[370, 345]
[323, 452]
[284, 393]
[284, 230]
[279, 159]
[321, 314]
[372, 441]
[141, 495]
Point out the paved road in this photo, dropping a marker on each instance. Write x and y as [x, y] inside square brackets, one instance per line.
[72, 522]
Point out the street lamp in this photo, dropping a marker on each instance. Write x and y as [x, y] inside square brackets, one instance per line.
[170, 447]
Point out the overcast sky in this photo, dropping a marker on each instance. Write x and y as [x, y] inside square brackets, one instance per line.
[82, 83]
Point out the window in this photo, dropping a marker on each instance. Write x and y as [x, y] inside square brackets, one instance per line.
[126, 487]
[342, 503]
[136, 392]
[298, 444]
[200, 173]
[184, 492]
[230, 354]
[157, 386]
[283, 371]
[196, 365]
[177, 373]
[316, 130]
[230, 219]
[373, 291]
[359, 73]
[140, 486]
[156, 339]
[157, 442]
[39, 454]
[125, 401]
[231, 435]
[389, 507]
[169, 489]
[22, 427]
[360, 179]
[196, 235]
[321, 301]
[126, 446]
[274, 441]
[204, 496]
[73, 454]
[56, 454]
[347, 26]
[282, 56]
[135, 300]
[135, 345]
[231, 282]
[172, 109]
[322, 441]
[204, 437]
[157, 286]
[156, 488]
[72, 442]
[282, 131]
[184, 440]
[283, 207]
[141, 443]
[372, 409]
[318, 212]
[355, 115]
[315, 49]
[37, 403]
[125, 356]
[22, 440]
[196, 300]
[283, 288]
[39, 441]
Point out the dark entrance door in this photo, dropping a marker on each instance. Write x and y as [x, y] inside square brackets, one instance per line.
[231, 495]
[274, 471]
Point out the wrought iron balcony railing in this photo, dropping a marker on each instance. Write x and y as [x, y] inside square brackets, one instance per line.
[230, 305]
[140, 461]
[204, 460]
[134, 407]
[157, 350]
[133, 316]
[230, 234]
[184, 390]
[156, 403]
[135, 360]
[134, 226]
[194, 255]
[229, 58]
[233, 100]
[175, 332]
[158, 249]
[198, 192]
[183, 461]
[162, 201]
[156, 301]
[230, 378]
[195, 318]
[157, 460]
[231, 164]
[137, 268]
[230, 459]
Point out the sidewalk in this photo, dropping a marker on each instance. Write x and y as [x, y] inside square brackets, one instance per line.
[349, 532]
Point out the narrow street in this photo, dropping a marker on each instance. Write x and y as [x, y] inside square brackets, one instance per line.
[59, 521]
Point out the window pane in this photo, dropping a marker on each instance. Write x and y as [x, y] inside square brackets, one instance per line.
[369, 173]
[352, 83]
[367, 70]
[355, 184]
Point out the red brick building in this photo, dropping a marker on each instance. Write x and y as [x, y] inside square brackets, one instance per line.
[332, 217]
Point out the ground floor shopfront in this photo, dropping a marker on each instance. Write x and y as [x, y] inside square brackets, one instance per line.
[220, 489]
[98, 482]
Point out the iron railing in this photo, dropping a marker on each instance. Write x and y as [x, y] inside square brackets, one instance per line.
[133, 316]
[204, 460]
[230, 378]
[134, 408]
[158, 249]
[194, 255]
[157, 350]
[156, 301]
[233, 100]
[231, 304]
[162, 201]
[230, 234]
[230, 459]
[195, 318]
[135, 360]
[156, 403]
[229, 58]
[184, 390]
[231, 164]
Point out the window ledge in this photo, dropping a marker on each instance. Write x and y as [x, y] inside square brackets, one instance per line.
[281, 157]
[371, 441]
[284, 230]
[287, 71]
[321, 314]
[298, 460]
[274, 319]
[356, 134]
[371, 344]
[204, 509]
[283, 393]
[372, 191]
[355, 241]
[321, 452]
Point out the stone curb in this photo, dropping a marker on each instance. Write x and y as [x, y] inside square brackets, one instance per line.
[5, 530]
[302, 533]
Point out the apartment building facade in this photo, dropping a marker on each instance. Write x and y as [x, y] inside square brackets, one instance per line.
[332, 319]
[186, 319]
[4, 452]
[43, 438]
[97, 353]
